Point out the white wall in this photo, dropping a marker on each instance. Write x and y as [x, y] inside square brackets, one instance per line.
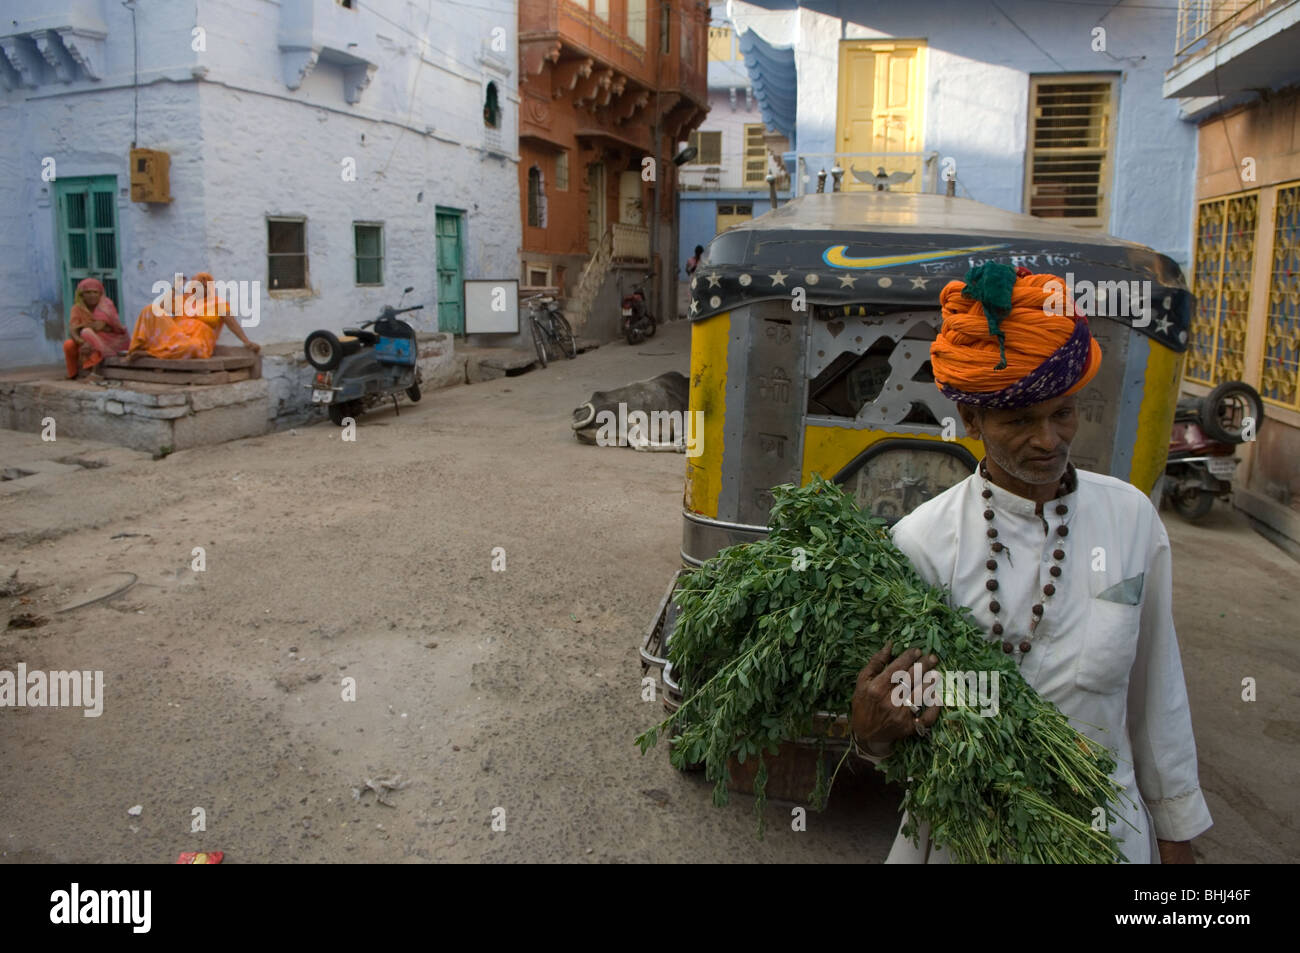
[243, 146]
[731, 123]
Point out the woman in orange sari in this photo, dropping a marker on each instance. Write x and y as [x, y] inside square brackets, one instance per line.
[189, 327]
[94, 330]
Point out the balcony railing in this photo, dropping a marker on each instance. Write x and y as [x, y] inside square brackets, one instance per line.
[924, 167]
[631, 242]
[1203, 24]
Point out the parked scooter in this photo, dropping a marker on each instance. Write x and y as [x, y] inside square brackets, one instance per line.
[1202, 447]
[361, 367]
[638, 322]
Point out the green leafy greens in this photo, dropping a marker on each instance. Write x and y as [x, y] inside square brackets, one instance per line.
[773, 632]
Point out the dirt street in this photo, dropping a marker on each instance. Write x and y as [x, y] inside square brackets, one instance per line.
[484, 690]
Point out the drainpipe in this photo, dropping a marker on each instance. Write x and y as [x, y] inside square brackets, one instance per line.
[771, 189]
[659, 171]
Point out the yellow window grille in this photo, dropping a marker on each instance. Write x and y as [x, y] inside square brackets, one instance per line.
[1225, 250]
[1280, 375]
[755, 156]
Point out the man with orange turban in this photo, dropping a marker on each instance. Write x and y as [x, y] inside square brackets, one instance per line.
[1068, 571]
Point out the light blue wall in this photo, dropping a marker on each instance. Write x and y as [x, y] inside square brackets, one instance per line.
[245, 145]
[698, 214]
[977, 93]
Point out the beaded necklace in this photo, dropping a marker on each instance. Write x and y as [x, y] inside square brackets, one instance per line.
[1068, 483]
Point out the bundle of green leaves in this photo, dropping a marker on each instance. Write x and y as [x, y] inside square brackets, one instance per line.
[773, 632]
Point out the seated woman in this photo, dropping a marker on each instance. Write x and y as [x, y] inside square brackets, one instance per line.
[94, 329]
[187, 325]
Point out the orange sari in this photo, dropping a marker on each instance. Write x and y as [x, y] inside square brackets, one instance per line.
[171, 333]
[93, 335]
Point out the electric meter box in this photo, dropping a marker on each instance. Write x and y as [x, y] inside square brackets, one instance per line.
[150, 176]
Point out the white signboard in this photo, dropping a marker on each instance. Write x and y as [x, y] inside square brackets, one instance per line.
[492, 307]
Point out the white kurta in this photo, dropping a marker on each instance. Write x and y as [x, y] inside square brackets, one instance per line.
[1108, 661]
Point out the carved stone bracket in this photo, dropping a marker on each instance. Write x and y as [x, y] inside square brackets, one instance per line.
[25, 60]
[297, 64]
[355, 80]
[592, 86]
[535, 54]
[565, 76]
[52, 50]
[627, 105]
[86, 49]
[614, 89]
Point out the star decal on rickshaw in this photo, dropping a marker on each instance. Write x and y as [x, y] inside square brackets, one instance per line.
[713, 279]
[778, 278]
[847, 281]
[920, 282]
[695, 306]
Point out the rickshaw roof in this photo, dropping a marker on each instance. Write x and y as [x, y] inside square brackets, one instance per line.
[896, 250]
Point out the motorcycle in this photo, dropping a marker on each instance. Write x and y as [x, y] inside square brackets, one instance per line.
[363, 367]
[1202, 448]
[638, 322]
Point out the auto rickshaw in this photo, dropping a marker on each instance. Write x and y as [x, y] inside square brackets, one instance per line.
[810, 337]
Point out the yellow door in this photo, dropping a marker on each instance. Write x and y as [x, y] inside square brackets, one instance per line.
[730, 214]
[881, 99]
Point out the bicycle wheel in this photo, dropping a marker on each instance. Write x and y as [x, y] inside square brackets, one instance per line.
[563, 335]
[539, 340]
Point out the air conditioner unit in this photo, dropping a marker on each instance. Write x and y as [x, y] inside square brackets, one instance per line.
[150, 176]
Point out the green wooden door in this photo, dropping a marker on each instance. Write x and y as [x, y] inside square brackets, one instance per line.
[87, 235]
[451, 274]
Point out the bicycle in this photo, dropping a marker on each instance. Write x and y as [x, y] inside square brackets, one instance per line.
[550, 328]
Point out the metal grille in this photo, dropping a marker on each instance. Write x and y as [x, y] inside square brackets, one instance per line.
[755, 155]
[1069, 161]
[1280, 378]
[1225, 249]
[710, 146]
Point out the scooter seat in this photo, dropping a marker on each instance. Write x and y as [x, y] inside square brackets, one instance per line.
[365, 337]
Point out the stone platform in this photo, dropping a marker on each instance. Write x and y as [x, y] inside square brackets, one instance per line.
[156, 415]
[157, 418]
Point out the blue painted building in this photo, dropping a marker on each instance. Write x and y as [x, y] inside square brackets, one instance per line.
[741, 140]
[1050, 108]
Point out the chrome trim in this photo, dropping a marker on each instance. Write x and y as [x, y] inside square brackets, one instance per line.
[648, 658]
[704, 538]
[706, 521]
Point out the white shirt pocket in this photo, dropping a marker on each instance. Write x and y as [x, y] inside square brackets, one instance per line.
[1109, 646]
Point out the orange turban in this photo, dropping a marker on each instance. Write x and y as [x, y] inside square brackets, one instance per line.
[1001, 345]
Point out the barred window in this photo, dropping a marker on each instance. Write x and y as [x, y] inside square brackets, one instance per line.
[709, 145]
[1071, 148]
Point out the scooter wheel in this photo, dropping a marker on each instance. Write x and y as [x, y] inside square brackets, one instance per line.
[413, 392]
[633, 337]
[1225, 407]
[650, 327]
[323, 350]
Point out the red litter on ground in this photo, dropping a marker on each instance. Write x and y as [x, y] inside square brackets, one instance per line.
[201, 857]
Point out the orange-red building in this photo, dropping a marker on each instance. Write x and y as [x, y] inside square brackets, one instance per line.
[605, 85]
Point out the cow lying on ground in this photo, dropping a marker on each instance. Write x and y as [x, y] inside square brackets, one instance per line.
[646, 415]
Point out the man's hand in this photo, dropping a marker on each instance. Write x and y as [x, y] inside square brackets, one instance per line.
[875, 717]
[1175, 852]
